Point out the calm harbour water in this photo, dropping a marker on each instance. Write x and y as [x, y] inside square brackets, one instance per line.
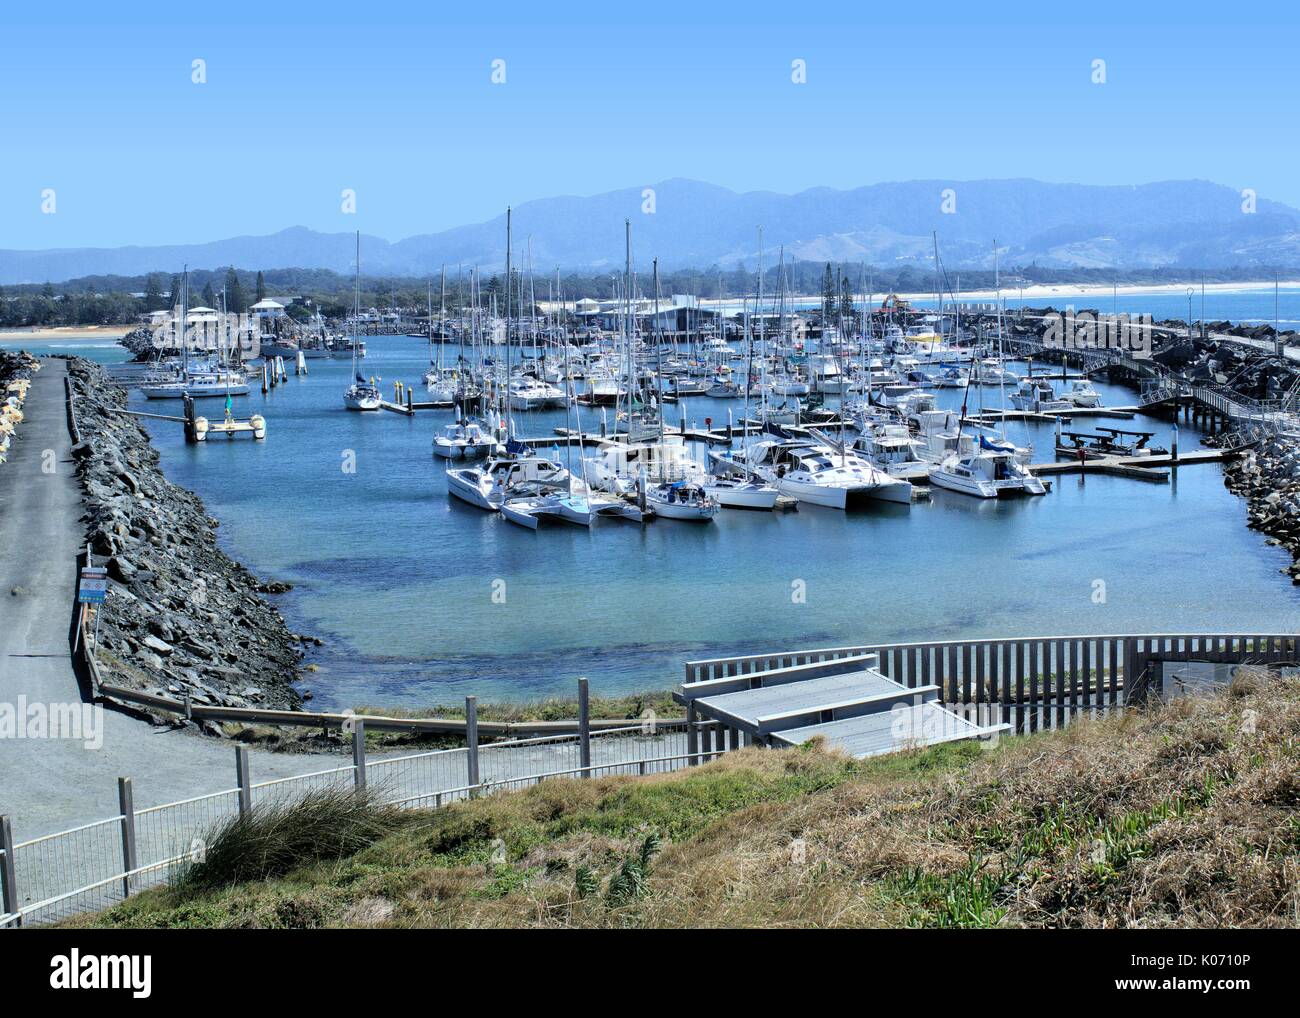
[398, 577]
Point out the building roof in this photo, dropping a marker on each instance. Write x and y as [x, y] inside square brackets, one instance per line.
[847, 701]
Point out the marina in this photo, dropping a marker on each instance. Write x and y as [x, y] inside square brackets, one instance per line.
[676, 468]
[619, 620]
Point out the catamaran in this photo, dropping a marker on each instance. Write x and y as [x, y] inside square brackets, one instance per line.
[819, 473]
[991, 472]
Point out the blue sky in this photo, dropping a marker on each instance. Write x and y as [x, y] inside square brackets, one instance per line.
[396, 101]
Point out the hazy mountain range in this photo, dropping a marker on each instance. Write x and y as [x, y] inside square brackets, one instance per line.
[1189, 223]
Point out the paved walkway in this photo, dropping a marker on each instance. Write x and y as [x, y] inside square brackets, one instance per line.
[52, 784]
[49, 785]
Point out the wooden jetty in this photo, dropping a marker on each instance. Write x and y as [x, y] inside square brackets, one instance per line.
[1048, 416]
[1138, 468]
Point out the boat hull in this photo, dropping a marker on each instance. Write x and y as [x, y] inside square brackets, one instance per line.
[200, 392]
[469, 489]
[743, 497]
[846, 496]
[682, 510]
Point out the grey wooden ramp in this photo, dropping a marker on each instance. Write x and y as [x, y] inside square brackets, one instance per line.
[900, 728]
[847, 701]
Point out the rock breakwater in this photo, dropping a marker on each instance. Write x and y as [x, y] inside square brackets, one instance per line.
[1268, 478]
[182, 618]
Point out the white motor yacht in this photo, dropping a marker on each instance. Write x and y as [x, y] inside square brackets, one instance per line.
[892, 448]
[1082, 394]
[488, 486]
[741, 493]
[1036, 396]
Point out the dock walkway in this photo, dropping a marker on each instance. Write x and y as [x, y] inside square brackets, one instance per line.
[51, 783]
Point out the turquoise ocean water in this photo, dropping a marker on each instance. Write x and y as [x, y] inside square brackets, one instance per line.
[398, 578]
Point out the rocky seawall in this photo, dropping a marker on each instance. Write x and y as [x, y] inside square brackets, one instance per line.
[182, 616]
[140, 343]
[16, 370]
[1268, 478]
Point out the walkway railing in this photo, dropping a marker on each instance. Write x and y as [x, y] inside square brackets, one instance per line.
[95, 865]
[1034, 682]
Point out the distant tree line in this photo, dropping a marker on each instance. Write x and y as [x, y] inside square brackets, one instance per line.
[112, 300]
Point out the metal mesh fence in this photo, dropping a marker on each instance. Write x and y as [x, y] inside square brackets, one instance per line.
[85, 869]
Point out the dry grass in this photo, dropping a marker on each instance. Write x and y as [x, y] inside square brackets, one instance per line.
[1185, 815]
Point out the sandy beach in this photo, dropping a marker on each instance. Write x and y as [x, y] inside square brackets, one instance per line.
[1082, 290]
[63, 334]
